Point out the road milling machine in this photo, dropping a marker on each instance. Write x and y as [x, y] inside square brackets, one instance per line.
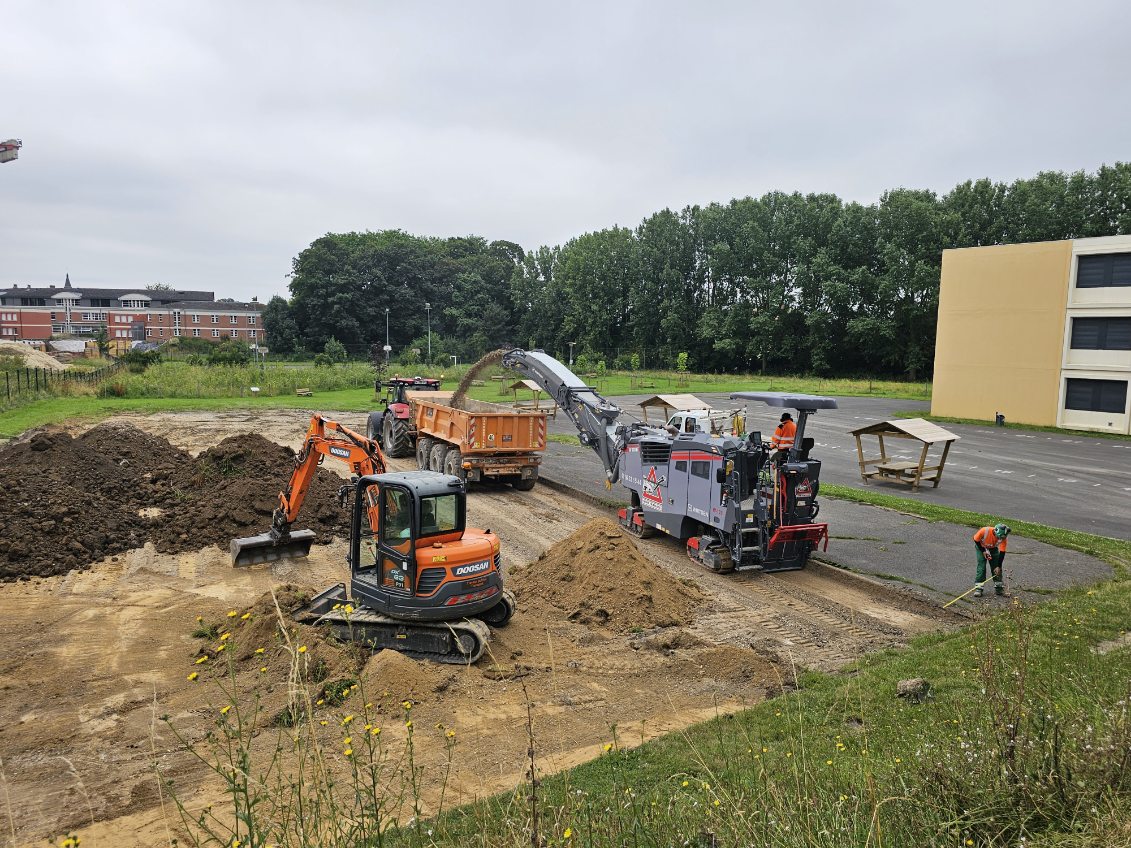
[734, 504]
[421, 581]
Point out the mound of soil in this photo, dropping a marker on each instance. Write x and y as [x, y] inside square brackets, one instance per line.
[32, 358]
[68, 502]
[393, 676]
[599, 578]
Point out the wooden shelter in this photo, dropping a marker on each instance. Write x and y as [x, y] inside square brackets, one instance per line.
[670, 403]
[535, 397]
[885, 467]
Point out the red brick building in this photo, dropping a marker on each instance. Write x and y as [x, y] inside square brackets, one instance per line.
[127, 314]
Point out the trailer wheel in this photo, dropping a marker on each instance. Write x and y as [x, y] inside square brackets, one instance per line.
[453, 464]
[398, 439]
[525, 485]
[423, 452]
[373, 428]
[436, 458]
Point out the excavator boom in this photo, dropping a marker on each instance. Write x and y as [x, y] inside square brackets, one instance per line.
[323, 438]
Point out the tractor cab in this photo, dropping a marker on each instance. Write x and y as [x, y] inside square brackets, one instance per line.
[409, 554]
[397, 388]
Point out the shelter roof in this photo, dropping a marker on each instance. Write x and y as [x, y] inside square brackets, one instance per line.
[917, 428]
[683, 402]
[525, 384]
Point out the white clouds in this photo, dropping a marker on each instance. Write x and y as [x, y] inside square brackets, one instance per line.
[205, 144]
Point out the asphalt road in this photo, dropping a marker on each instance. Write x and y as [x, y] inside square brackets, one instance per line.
[1067, 481]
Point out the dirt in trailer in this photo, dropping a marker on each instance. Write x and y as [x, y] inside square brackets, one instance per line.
[609, 631]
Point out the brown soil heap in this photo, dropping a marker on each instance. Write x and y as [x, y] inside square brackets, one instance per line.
[67, 502]
[598, 577]
[485, 361]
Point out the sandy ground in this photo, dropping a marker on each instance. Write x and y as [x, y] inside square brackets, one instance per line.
[93, 659]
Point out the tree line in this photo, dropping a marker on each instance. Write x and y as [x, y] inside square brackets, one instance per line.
[779, 283]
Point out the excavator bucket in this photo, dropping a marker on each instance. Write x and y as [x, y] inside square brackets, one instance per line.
[251, 550]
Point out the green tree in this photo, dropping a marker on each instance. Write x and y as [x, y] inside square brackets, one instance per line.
[280, 326]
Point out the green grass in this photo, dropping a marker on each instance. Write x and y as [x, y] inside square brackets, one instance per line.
[1009, 425]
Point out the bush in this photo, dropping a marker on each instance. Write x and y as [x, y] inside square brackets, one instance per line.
[180, 379]
[137, 360]
[230, 352]
[335, 351]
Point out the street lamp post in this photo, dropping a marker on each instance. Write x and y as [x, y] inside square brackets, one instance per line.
[571, 344]
[428, 312]
[387, 346]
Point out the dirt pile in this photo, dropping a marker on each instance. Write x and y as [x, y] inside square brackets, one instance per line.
[68, 502]
[597, 577]
[32, 358]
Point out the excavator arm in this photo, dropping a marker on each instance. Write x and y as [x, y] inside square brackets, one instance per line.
[324, 437]
[593, 415]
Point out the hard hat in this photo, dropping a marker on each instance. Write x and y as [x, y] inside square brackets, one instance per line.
[1001, 530]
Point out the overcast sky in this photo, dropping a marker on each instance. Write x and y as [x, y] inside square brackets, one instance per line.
[204, 144]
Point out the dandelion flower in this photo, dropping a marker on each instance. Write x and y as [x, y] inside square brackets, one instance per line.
[263, 669]
[348, 752]
[199, 619]
[319, 702]
[608, 747]
[844, 797]
[368, 727]
[347, 719]
[407, 705]
[323, 722]
[203, 659]
[245, 616]
[347, 740]
[716, 802]
[193, 676]
[219, 648]
[368, 705]
[226, 710]
[260, 650]
[302, 649]
[684, 783]
[828, 762]
[375, 731]
[224, 637]
[567, 833]
[451, 734]
[232, 613]
[408, 724]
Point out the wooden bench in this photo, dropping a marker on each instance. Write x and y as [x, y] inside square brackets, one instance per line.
[304, 392]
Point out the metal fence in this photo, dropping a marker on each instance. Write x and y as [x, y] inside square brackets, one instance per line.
[32, 382]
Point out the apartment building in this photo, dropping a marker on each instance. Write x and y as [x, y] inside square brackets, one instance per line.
[1038, 332]
[30, 314]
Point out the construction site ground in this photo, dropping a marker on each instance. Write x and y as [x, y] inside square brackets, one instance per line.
[95, 656]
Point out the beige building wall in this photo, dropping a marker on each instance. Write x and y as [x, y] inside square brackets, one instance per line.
[1000, 337]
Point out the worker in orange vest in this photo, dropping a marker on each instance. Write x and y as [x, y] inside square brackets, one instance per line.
[783, 437]
[989, 545]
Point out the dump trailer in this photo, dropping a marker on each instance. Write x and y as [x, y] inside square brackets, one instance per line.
[479, 440]
[734, 501]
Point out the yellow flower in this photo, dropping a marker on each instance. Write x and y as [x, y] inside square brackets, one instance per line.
[226, 710]
[408, 724]
[368, 705]
[347, 719]
[375, 731]
[260, 650]
[969, 841]
[219, 648]
[224, 637]
[232, 613]
[608, 747]
[407, 705]
[844, 797]
[199, 619]
[347, 609]
[200, 660]
[263, 669]
[302, 649]
[368, 727]
[706, 786]
[245, 616]
[193, 676]
[898, 760]
[684, 783]
[828, 762]
[348, 752]
[323, 722]
[789, 753]
[319, 702]
[236, 843]
[347, 740]
[567, 833]
[451, 734]
[716, 802]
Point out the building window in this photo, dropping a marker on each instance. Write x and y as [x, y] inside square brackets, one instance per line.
[53, 316]
[33, 301]
[57, 328]
[134, 304]
[232, 319]
[251, 320]
[1096, 395]
[148, 332]
[196, 334]
[1101, 333]
[233, 334]
[215, 319]
[196, 319]
[251, 334]
[1105, 270]
[160, 331]
[215, 334]
[101, 302]
[176, 331]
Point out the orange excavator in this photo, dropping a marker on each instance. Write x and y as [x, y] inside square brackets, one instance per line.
[422, 582]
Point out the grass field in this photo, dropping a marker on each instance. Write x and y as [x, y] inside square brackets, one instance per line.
[177, 386]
